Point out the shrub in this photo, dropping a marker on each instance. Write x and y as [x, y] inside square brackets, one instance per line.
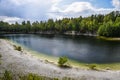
[62, 61]
[92, 66]
[17, 48]
[0, 58]
[7, 75]
[0, 55]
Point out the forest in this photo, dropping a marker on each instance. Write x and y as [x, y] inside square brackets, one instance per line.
[102, 25]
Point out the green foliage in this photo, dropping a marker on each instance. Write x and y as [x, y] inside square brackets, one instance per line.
[62, 61]
[109, 30]
[0, 58]
[0, 55]
[7, 75]
[18, 48]
[33, 77]
[105, 25]
[36, 77]
[92, 66]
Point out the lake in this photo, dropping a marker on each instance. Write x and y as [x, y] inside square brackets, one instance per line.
[80, 48]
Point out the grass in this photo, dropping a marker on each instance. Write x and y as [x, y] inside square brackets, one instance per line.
[8, 75]
[36, 77]
[92, 67]
[108, 38]
[110, 66]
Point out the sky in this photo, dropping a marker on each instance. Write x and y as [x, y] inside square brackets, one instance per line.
[37, 10]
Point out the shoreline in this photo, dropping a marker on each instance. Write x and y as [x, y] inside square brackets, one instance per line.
[71, 34]
[72, 63]
[109, 38]
[53, 33]
[24, 62]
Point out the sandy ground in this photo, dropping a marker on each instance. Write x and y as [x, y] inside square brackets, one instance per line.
[23, 62]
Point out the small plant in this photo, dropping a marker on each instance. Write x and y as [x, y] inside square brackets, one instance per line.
[0, 58]
[0, 55]
[7, 75]
[62, 61]
[108, 68]
[92, 66]
[36, 77]
[17, 48]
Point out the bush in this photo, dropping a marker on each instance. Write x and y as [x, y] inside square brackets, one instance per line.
[7, 75]
[92, 66]
[0, 58]
[62, 61]
[17, 48]
[0, 55]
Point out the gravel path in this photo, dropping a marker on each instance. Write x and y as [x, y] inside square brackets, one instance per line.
[23, 62]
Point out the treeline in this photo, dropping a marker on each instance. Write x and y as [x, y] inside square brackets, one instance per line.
[104, 25]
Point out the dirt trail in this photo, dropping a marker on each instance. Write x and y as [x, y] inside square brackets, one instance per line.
[23, 62]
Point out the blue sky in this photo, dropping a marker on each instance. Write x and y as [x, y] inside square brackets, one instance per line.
[18, 10]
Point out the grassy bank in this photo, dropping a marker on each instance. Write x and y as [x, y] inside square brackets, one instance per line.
[108, 38]
[72, 63]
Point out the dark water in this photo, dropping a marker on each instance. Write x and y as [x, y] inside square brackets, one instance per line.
[79, 48]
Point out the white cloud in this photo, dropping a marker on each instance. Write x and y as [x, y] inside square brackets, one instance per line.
[77, 9]
[10, 19]
[32, 2]
[19, 2]
[32, 9]
[44, 9]
[116, 3]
